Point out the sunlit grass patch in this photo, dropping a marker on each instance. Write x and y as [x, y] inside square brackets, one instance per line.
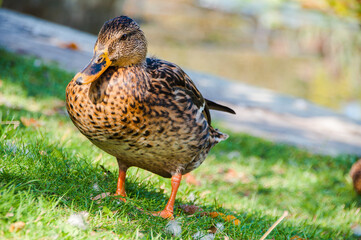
[49, 174]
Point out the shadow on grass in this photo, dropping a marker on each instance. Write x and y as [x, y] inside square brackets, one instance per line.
[272, 153]
[62, 175]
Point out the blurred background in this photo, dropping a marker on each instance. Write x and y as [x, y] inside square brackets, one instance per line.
[305, 48]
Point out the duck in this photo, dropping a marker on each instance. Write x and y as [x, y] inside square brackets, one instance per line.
[144, 111]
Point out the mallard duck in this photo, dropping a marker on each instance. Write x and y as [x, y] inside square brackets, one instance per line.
[146, 112]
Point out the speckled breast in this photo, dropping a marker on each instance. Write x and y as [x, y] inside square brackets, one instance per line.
[144, 126]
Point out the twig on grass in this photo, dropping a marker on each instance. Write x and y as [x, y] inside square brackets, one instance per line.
[285, 213]
[15, 123]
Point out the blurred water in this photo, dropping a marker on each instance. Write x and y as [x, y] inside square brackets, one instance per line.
[322, 54]
[335, 40]
[86, 15]
[353, 110]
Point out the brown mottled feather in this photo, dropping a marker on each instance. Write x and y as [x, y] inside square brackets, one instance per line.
[146, 112]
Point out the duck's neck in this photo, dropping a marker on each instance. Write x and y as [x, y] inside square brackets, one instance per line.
[136, 74]
[141, 64]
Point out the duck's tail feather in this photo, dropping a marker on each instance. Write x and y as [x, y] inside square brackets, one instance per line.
[215, 106]
[219, 136]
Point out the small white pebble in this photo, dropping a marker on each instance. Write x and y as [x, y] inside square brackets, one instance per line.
[356, 229]
[191, 197]
[300, 104]
[77, 220]
[209, 236]
[37, 63]
[173, 227]
[197, 235]
[85, 214]
[233, 154]
[96, 187]
[138, 234]
[220, 227]
[201, 236]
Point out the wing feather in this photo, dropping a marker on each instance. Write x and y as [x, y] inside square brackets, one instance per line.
[178, 80]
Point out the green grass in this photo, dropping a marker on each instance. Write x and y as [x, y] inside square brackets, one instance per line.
[49, 171]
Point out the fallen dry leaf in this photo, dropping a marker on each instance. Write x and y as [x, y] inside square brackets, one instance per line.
[227, 218]
[231, 176]
[70, 45]
[30, 122]
[100, 196]
[297, 238]
[15, 123]
[9, 214]
[191, 180]
[16, 226]
[205, 193]
[215, 214]
[163, 188]
[191, 209]
[212, 229]
[43, 153]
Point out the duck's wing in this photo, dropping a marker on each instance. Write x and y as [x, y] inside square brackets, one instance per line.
[168, 77]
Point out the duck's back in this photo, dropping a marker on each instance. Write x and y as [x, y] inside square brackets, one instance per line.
[152, 117]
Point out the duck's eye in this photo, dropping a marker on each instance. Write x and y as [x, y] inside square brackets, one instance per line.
[124, 36]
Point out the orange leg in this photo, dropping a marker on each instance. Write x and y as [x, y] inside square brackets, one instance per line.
[121, 185]
[168, 210]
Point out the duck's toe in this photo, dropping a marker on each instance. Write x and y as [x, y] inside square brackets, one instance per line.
[164, 214]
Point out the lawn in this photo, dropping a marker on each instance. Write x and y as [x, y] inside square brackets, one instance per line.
[49, 174]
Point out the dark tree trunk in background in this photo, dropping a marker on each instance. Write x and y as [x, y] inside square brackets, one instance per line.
[86, 15]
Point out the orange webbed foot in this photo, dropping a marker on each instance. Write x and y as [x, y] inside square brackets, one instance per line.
[164, 214]
[120, 197]
[167, 213]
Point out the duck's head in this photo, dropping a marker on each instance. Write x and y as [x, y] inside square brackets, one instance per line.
[120, 43]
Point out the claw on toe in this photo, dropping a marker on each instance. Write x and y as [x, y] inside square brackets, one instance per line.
[120, 197]
[164, 214]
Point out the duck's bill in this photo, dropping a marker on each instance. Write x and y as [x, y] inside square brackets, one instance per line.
[98, 64]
